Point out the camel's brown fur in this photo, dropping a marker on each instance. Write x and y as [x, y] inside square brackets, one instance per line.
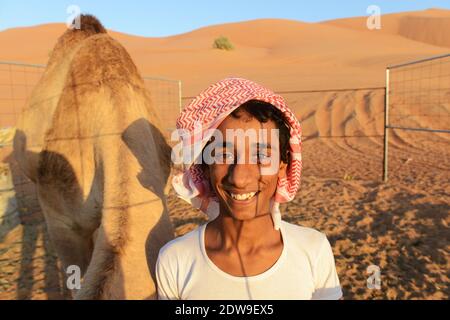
[92, 143]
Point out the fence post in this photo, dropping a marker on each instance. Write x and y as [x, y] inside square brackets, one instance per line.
[386, 129]
[179, 96]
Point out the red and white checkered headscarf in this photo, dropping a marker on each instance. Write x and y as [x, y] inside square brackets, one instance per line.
[206, 112]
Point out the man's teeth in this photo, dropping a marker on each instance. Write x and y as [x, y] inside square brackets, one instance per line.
[243, 196]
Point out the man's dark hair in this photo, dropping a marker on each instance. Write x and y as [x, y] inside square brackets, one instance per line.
[264, 112]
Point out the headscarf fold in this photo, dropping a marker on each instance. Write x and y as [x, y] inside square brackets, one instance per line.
[205, 113]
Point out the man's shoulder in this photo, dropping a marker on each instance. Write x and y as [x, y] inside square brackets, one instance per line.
[308, 239]
[182, 246]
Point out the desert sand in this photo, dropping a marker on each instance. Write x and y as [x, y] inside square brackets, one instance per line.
[401, 225]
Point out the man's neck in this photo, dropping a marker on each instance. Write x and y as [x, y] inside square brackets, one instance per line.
[247, 235]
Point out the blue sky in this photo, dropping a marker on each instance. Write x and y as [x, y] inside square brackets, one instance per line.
[168, 17]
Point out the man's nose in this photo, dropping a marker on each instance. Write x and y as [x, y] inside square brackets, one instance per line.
[242, 174]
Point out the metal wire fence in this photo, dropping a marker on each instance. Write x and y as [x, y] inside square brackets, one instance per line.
[417, 111]
[166, 96]
[17, 80]
[419, 95]
[342, 131]
[18, 201]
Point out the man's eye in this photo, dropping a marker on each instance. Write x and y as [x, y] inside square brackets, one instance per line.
[263, 158]
[224, 155]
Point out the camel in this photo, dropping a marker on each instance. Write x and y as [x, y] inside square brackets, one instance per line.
[91, 142]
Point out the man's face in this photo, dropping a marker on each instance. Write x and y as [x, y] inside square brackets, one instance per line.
[245, 186]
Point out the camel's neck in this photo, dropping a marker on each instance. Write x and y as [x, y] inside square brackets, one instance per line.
[137, 263]
[125, 270]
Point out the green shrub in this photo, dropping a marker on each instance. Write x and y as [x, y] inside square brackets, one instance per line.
[348, 177]
[222, 43]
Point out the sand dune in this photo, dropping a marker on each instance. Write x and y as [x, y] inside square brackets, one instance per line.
[283, 54]
[428, 26]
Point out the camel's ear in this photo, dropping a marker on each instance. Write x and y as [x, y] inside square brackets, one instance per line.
[89, 23]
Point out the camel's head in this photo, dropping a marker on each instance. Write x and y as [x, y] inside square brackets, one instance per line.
[88, 26]
[88, 23]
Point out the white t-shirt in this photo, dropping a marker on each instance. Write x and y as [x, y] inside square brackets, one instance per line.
[304, 270]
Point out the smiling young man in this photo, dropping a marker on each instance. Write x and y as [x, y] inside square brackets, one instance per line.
[246, 161]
